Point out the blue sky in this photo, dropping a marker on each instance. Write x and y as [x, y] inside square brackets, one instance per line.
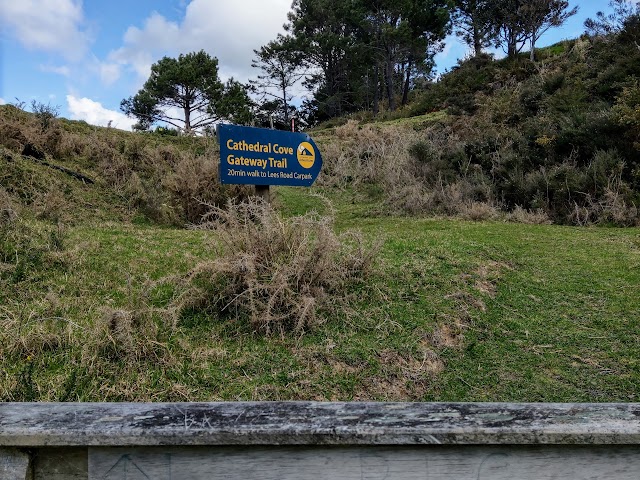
[86, 56]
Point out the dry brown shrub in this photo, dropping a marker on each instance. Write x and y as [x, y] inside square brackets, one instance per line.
[71, 145]
[12, 136]
[194, 185]
[168, 155]
[530, 217]
[478, 211]
[100, 152]
[613, 209]
[384, 155]
[280, 273]
[457, 198]
[19, 129]
[135, 191]
[55, 141]
[364, 154]
[16, 127]
[121, 334]
[610, 209]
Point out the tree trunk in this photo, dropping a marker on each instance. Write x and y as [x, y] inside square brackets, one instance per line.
[376, 73]
[389, 81]
[329, 76]
[187, 120]
[512, 50]
[532, 54]
[477, 41]
[376, 89]
[286, 105]
[407, 82]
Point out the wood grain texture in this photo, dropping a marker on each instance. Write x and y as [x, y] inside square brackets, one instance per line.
[313, 423]
[371, 463]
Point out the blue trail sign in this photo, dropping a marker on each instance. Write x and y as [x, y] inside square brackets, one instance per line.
[258, 156]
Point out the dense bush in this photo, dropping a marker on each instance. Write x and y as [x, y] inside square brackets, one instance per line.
[627, 111]
[559, 137]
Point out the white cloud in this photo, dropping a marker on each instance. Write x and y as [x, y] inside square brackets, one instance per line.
[229, 31]
[109, 73]
[50, 25]
[454, 49]
[94, 113]
[2, 101]
[449, 43]
[61, 70]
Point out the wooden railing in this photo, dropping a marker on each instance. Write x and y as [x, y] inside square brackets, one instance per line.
[310, 440]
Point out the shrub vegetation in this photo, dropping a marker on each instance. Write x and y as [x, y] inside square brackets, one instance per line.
[557, 137]
[280, 273]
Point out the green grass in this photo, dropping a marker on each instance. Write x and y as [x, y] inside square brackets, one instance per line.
[455, 310]
[418, 120]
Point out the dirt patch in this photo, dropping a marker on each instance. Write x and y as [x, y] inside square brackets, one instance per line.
[402, 377]
[449, 332]
[447, 336]
[484, 279]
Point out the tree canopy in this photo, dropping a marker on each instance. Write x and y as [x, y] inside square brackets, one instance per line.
[516, 23]
[187, 93]
[605, 24]
[351, 56]
[472, 24]
[281, 68]
[363, 51]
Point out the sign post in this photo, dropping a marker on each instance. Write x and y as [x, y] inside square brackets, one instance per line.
[263, 157]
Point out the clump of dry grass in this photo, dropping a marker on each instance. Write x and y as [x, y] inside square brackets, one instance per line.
[28, 334]
[529, 217]
[478, 211]
[8, 211]
[119, 334]
[280, 273]
[194, 184]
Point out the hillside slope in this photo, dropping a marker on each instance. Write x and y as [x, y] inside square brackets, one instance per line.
[558, 138]
[106, 296]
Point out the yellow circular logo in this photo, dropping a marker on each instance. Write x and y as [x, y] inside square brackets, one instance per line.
[306, 155]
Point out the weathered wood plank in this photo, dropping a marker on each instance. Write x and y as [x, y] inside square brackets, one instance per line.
[61, 463]
[371, 463]
[14, 465]
[313, 423]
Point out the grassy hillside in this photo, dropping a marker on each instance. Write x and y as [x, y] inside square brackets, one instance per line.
[454, 310]
[424, 265]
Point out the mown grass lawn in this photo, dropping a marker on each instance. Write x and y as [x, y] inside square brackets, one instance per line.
[454, 311]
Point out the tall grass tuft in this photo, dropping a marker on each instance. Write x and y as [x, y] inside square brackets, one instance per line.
[279, 273]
